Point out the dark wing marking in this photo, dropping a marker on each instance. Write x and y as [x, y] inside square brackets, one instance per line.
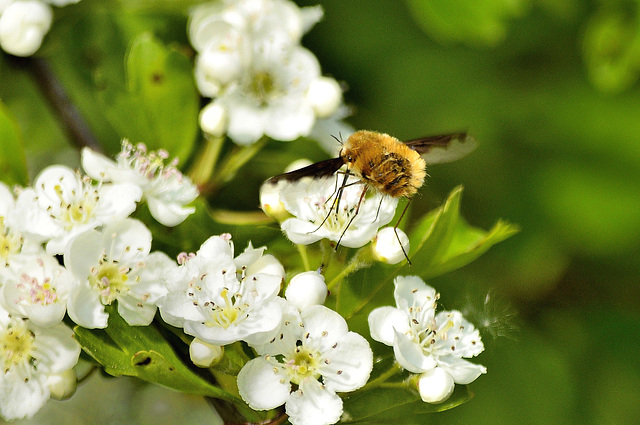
[319, 169]
[444, 147]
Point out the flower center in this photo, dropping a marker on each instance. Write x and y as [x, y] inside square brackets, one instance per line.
[223, 316]
[10, 242]
[79, 209]
[110, 279]
[303, 365]
[16, 341]
[263, 87]
[39, 293]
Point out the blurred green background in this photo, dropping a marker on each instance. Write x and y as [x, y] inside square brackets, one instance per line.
[548, 87]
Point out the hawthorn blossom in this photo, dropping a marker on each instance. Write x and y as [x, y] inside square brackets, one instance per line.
[430, 344]
[220, 299]
[63, 204]
[116, 264]
[353, 220]
[32, 360]
[251, 62]
[36, 287]
[13, 241]
[313, 357]
[164, 187]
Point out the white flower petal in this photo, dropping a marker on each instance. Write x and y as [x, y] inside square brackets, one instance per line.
[96, 165]
[20, 399]
[58, 351]
[350, 364]
[384, 322]
[412, 291]
[410, 356]
[323, 326]
[314, 404]
[85, 309]
[134, 312]
[462, 371]
[169, 214]
[262, 385]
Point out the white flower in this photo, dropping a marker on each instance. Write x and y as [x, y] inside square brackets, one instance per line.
[270, 99]
[386, 246]
[220, 300]
[313, 357]
[13, 240]
[306, 289]
[423, 340]
[30, 357]
[69, 204]
[165, 188]
[353, 220]
[115, 264]
[250, 58]
[36, 287]
[23, 25]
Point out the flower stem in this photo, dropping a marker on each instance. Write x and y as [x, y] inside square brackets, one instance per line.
[354, 265]
[380, 381]
[239, 156]
[302, 250]
[203, 167]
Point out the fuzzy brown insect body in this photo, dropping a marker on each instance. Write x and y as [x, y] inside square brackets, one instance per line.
[384, 163]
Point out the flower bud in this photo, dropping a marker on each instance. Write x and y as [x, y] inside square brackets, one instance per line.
[203, 354]
[62, 385]
[386, 248]
[213, 119]
[325, 96]
[23, 25]
[435, 385]
[306, 289]
[270, 202]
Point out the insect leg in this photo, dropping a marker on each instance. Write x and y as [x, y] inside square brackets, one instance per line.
[364, 192]
[395, 230]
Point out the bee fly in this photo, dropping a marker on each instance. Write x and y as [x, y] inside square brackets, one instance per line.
[385, 164]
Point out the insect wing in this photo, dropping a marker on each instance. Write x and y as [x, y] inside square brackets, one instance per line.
[319, 169]
[443, 148]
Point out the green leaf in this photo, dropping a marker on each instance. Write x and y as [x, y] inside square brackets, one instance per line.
[441, 242]
[160, 104]
[611, 50]
[387, 405]
[13, 165]
[143, 352]
[479, 22]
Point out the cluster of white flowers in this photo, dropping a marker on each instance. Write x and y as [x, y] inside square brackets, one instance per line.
[306, 353]
[432, 345]
[262, 80]
[24, 23]
[106, 258]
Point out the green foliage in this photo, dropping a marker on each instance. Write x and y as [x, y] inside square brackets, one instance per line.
[480, 22]
[13, 166]
[143, 352]
[160, 104]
